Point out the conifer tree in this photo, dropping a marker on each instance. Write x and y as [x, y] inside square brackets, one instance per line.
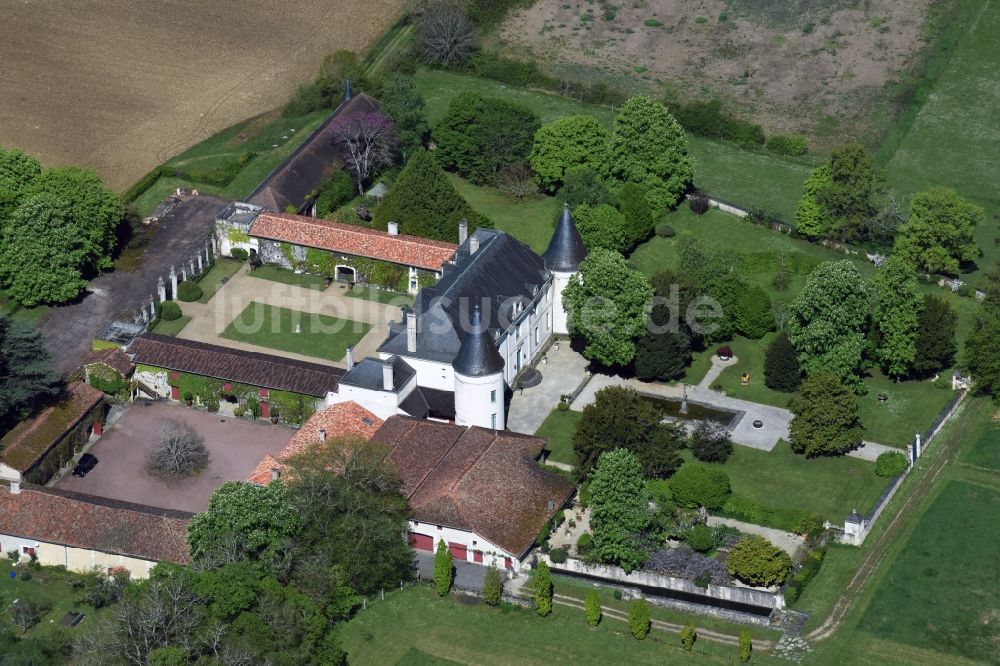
[592, 607]
[444, 570]
[542, 587]
[492, 586]
[781, 365]
[638, 618]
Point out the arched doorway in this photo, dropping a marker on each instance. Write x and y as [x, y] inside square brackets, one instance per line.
[347, 274]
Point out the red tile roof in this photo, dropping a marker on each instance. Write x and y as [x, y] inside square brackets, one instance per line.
[116, 359]
[345, 418]
[235, 365]
[95, 523]
[30, 440]
[349, 239]
[475, 479]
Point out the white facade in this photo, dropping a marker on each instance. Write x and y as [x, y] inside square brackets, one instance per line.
[74, 559]
[381, 403]
[479, 401]
[478, 550]
[560, 321]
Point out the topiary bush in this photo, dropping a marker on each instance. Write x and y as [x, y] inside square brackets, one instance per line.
[698, 201]
[188, 291]
[638, 618]
[700, 538]
[695, 485]
[558, 555]
[756, 561]
[665, 231]
[890, 463]
[584, 543]
[170, 311]
[688, 636]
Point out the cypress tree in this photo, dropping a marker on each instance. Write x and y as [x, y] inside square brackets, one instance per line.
[638, 618]
[492, 586]
[781, 365]
[444, 571]
[424, 202]
[935, 345]
[26, 372]
[542, 585]
[592, 607]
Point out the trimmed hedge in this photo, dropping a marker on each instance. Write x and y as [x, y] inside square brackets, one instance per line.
[805, 574]
[890, 464]
[789, 520]
[170, 311]
[188, 291]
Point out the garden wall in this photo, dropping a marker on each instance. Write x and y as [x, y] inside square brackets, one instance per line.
[712, 595]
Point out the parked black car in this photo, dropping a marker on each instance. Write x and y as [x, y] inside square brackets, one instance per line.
[88, 461]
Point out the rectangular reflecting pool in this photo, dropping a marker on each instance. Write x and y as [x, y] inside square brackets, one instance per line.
[671, 409]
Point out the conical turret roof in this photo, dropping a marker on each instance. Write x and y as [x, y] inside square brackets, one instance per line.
[478, 355]
[566, 249]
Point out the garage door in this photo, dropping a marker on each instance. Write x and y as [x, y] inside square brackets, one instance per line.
[458, 551]
[422, 541]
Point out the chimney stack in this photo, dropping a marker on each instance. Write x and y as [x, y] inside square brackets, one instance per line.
[463, 230]
[473, 244]
[387, 375]
[350, 357]
[394, 228]
[411, 330]
[322, 434]
[275, 473]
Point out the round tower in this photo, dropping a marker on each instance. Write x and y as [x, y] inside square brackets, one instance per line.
[563, 256]
[479, 384]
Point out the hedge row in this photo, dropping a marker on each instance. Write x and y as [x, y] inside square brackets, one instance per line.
[808, 571]
[788, 520]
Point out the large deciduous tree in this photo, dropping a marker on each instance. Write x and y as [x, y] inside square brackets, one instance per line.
[567, 143]
[403, 103]
[180, 450]
[826, 319]
[602, 227]
[810, 219]
[619, 510]
[620, 418]
[445, 34]
[17, 171]
[935, 345]
[478, 136]
[897, 305]
[848, 199]
[26, 376]
[42, 252]
[634, 207]
[981, 356]
[368, 140]
[425, 203]
[95, 211]
[827, 418]
[781, 365]
[584, 186]
[939, 234]
[607, 302]
[649, 148]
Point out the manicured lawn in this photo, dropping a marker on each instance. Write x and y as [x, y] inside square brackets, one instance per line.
[701, 362]
[531, 220]
[416, 624]
[831, 487]
[912, 407]
[941, 591]
[320, 335]
[380, 295]
[164, 327]
[750, 360]
[285, 276]
[258, 145]
[213, 280]
[742, 176]
[558, 429]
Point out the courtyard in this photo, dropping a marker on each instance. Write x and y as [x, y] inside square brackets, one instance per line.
[235, 447]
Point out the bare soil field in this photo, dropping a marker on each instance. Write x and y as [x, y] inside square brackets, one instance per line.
[123, 86]
[815, 66]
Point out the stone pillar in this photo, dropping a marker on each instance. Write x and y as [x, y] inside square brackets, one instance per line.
[199, 264]
[183, 274]
[208, 253]
[191, 265]
[212, 242]
[142, 313]
[152, 307]
[173, 283]
[161, 289]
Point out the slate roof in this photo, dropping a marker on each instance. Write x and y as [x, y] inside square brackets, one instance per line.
[345, 418]
[354, 240]
[478, 355]
[502, 274]
[115, 359]
[566, 249]
[30, 440]
[310, 164]
[96, 523]
[475, 479]
[368, 374]
[235, 365]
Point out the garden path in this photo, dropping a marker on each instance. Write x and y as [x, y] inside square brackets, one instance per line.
[871, 451]
[209, 320]
[718, 365]
[786, 541]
